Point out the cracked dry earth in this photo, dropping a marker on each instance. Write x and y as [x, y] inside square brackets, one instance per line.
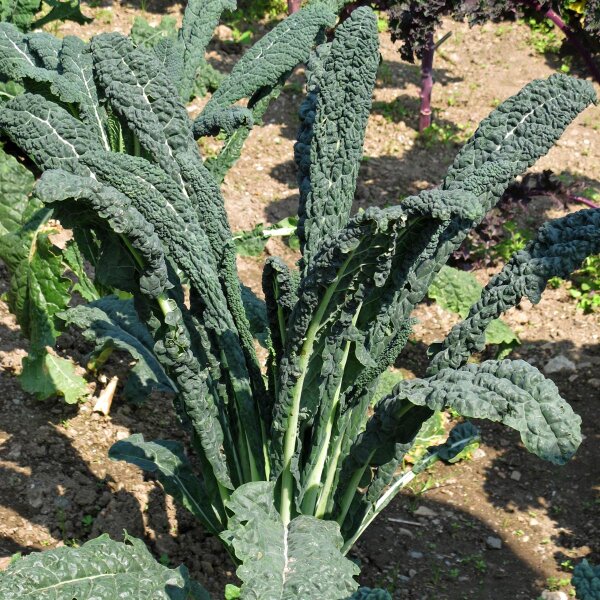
[502, 525]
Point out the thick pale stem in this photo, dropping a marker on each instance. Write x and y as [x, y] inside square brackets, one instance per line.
[314, 477]
[326, 491]
[351, 489]
[291, 433]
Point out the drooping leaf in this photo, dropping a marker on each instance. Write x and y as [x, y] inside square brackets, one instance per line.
[558, 249]
[457, 291]
[100, 569]
[512, 392]
[462, 439]
[166, 459]
[114, 323]
[302, 560]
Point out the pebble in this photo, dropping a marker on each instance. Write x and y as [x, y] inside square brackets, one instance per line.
[412, 573]
[594, 382]
[548, 595]
[494, 543]
[416, 555]
[405, 532]
[516, 475]
[478, 454]
[558, 364]
[423, 511]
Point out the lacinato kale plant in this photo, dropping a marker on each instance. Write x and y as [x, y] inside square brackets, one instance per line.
[294, 462]
[45, 278]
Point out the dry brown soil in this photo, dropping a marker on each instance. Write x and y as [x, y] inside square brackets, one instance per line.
[58, 487]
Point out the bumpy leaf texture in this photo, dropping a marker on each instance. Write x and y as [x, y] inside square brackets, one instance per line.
[558, 249]
[100, 569]
[586, 580]
[333, 123]
[302, 560]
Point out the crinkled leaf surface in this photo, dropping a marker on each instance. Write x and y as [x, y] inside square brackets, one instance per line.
[333, 123]
[100, 569]
[586, 580]
[285, 46]
[559, 247]
[300, 561]
[512, 392]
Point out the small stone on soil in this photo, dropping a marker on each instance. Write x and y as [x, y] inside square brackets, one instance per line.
[548, 595]
[423, 511]
[478, 454]
[416, 555]
[516, 475]
[494, 543]
[405, 532]
[559, 363]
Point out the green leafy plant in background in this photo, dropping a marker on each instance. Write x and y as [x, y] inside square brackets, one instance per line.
[43, 279]
[586, 284]
[23, 13]
[253, 242]
[457, 291]
[292, 467]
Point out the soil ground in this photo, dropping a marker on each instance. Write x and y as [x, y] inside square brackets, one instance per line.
[433, 542]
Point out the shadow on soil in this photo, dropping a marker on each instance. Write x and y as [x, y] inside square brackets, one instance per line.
[47, 482]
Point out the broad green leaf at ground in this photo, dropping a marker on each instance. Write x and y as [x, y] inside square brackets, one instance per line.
[38, 286]
[101, 569]
[302, 560]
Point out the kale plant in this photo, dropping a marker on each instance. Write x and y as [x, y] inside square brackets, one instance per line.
[44, 278]
[294, 465]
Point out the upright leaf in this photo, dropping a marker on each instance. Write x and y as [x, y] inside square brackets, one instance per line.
[278, 52]
[334, 119]
[199, 21]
